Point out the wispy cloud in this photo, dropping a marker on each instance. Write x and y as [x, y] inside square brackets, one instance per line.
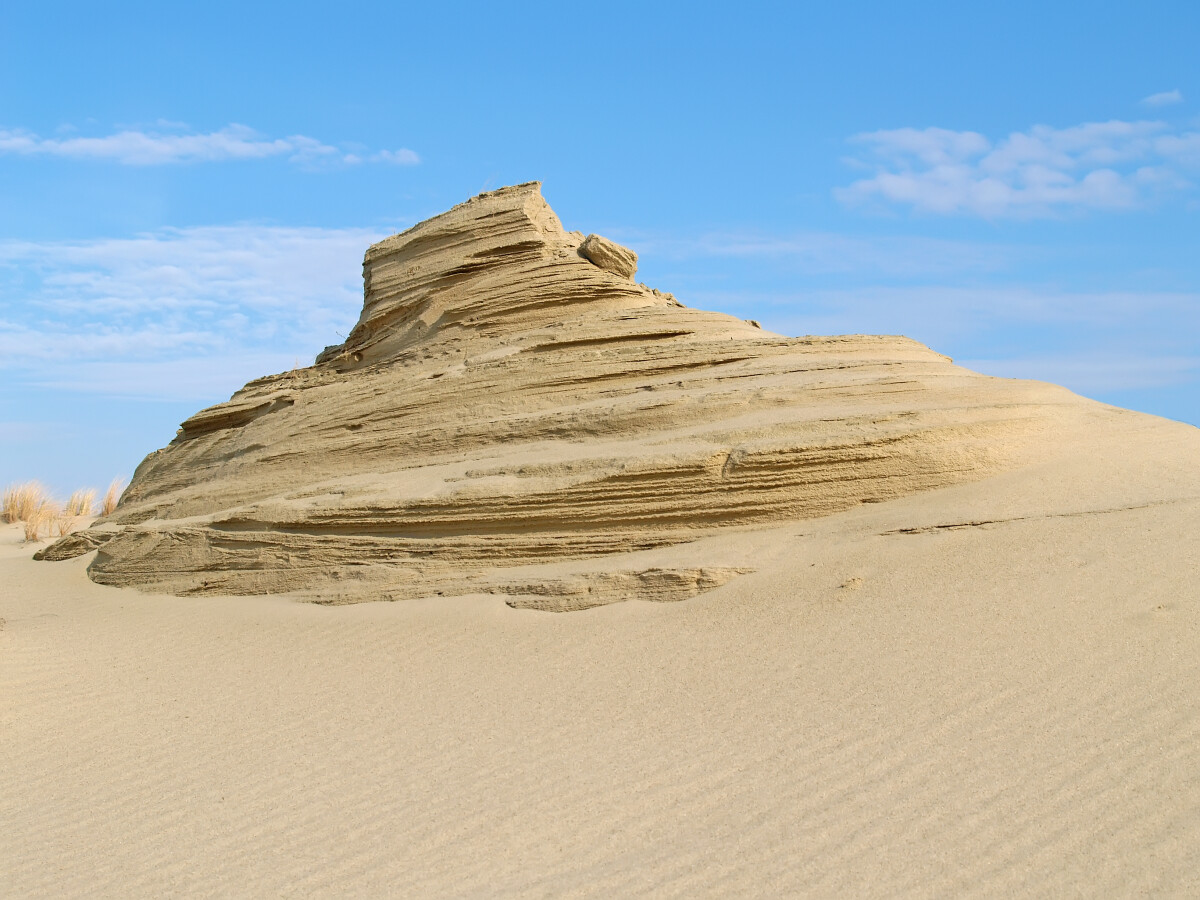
[170, 144]
[179, 313]
[820, 252]
[399, 157]
[1039, 172]
[1090, 341]
[192, 314]
[25, 431]
[944, 315]
[1095, 373]
[1165, 98]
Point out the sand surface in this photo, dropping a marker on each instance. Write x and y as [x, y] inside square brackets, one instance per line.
[884, 707]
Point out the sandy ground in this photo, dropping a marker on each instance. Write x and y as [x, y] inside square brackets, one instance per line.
[1007, 707]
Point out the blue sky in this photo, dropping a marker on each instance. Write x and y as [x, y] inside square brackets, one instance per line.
[187, 190]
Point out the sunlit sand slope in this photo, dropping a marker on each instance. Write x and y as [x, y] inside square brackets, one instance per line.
[989, 689]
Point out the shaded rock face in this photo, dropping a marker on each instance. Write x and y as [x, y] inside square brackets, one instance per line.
[512, 414]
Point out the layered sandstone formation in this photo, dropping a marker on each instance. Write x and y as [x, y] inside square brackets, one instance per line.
[514, 414]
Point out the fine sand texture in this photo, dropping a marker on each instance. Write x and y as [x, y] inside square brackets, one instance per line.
[987, 688]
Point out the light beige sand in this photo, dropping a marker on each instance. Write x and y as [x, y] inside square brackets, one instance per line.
[993, 709]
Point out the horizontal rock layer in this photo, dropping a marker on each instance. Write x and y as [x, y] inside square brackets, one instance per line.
[506, 403]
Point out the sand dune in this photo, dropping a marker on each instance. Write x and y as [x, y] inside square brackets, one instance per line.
[983, 690]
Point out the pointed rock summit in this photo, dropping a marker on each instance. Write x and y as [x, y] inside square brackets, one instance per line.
[514, 415]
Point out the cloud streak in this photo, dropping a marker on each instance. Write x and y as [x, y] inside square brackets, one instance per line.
[191, 314]
[1044, 171]
[1090, 341]
[1095, 373]
[178, 313]
[817, 252]
[1165, 98]
[167, 146]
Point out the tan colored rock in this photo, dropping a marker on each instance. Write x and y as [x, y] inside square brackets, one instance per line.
[504, 404]
[609, 256]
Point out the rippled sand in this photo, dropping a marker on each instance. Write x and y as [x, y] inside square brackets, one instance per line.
[987, 689]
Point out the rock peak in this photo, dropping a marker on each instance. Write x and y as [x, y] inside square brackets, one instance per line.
[498, 265]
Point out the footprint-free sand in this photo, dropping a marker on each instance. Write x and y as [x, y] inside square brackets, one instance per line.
[987, 689]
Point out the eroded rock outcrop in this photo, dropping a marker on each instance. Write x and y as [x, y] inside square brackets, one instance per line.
[609, 256]
[511, 407]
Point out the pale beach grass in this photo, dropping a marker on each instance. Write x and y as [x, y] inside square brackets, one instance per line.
[81, 502]
[22, 500]
[112, 497]
[31, 505]
[40, 518]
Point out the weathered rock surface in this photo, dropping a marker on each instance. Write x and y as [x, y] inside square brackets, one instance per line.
[74, 544]
[609, 256]
[512, 414]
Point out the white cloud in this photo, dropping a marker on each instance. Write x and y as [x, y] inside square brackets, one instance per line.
[164, 145]
[179, 313]
[401, 157]
[1093, 373]
[192, 314]
[1165, 98]
[201, 379]
[817, 252]
[1039, 172]
[25, 431]
[1181, 149]
[1090, 341]
[933, 146]
[943, 315]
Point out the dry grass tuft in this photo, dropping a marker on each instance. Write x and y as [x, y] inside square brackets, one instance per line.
[63, 524]
[30, 504]
[111, 497]
[40, 518]
[81, 502]
[22, 501]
